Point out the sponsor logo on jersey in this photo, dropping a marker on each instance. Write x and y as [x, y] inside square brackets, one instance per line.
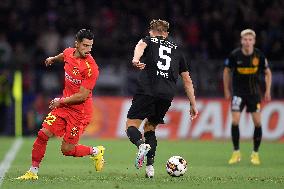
[247, 70]
[73, 80]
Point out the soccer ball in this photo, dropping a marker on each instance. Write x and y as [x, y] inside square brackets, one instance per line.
[176, 166]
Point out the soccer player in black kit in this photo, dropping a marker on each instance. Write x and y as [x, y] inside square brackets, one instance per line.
[246, 65]
[162, 63]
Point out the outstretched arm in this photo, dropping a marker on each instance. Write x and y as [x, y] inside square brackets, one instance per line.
[138, 52]
[188, 86]
[51, 60]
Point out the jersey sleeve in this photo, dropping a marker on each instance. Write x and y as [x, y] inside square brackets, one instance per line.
[183, 64]
[66, 52]
[90, 75]
[147, 40]
[229, 62]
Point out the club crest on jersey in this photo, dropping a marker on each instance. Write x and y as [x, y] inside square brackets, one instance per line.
[75, 70]
[74, 131]
[255, 61]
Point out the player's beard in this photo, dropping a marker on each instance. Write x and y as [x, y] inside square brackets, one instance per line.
[83, 55]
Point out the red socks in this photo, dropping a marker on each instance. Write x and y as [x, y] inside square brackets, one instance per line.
[79, 151]
[39, 148]
[40, 144]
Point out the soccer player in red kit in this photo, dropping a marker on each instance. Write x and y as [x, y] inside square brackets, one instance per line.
[71, 113]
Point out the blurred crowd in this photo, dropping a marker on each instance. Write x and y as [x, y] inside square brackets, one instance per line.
[207, 30]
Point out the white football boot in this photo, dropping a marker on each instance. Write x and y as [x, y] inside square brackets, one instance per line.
[142, 152]
[150, 171]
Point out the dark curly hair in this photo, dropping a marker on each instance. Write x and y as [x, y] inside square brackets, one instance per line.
[84, 33]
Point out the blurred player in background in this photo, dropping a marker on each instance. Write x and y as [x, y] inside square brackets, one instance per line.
[70, 114]
[162, 63]
[246, 64]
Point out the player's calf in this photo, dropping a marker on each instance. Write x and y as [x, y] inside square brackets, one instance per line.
[150, 138]
[76, 150]
[134, 136]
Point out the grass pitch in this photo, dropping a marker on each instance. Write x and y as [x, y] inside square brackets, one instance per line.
[207, 161]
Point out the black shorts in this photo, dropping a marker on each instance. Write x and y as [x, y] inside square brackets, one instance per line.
[251, 102]
[152, 108]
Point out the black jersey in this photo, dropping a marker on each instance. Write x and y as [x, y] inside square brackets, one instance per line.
[164, 62]
[246, 71]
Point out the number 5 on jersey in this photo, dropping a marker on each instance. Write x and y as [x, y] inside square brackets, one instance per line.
[163, 54]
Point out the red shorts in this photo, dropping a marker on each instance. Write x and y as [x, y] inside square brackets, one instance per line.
[62, 124]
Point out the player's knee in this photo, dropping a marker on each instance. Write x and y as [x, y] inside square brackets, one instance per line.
[42, 136]
[257, 124]
[132, 122]
[235, 122]
[46, 132]
[149, 127]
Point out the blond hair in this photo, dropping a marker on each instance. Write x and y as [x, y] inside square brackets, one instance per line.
[248, 32]
[159, 25]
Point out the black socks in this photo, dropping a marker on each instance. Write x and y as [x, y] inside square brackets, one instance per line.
[235, 132]
[257, 135]
[150, 138]
[134, 136]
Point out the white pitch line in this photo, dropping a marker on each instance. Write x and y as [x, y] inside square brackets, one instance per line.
[10, 156]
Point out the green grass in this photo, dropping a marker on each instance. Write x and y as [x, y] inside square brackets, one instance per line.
[208, 167]
[5, 144]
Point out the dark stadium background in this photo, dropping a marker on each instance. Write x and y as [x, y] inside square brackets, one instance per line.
[207, 31]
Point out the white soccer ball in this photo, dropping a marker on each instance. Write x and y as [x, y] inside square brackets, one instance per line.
[176, 166]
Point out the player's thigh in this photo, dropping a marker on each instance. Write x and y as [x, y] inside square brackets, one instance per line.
[54, 124]
[73, 132]
[141, 108]
[160, 109]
